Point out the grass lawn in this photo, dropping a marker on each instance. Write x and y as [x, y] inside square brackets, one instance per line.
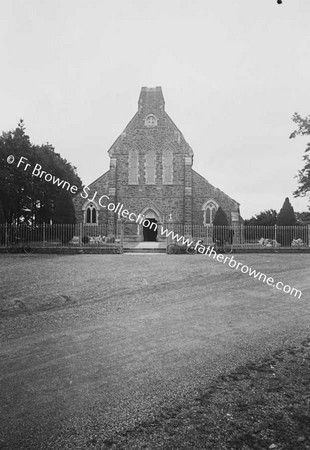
[153, 351]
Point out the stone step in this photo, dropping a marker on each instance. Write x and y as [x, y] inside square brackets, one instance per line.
[144, 250]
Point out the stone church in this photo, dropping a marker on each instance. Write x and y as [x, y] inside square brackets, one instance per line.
[151, 175]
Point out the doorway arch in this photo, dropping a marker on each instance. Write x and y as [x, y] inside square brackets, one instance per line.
[148, 229]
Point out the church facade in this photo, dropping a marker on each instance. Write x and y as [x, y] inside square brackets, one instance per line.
[151, 176]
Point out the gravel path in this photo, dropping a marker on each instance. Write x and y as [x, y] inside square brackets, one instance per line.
[92, 345]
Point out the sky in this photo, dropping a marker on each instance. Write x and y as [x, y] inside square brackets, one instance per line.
[233, 72]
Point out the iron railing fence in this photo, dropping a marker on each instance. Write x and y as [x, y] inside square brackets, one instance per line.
[242, 236]
[246, 236]
[69, 235]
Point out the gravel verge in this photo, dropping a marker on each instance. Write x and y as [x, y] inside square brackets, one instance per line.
[261, 405]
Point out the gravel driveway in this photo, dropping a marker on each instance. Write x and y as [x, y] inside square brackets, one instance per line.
[91, 345]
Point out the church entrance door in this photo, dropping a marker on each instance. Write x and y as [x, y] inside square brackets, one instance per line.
[150, 232]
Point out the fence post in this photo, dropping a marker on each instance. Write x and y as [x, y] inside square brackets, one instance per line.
[170, 227]
[275, 232]
[6, 234]
[118, 234]
[80, 233]
[44, 236]
[308, 235]
[122, 236]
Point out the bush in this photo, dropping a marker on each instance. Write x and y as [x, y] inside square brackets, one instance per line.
[85, 239]
[221, 229]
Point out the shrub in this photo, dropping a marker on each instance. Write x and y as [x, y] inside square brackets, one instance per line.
[286, 215]
[221, 229]
[286, 220]
[85, 239]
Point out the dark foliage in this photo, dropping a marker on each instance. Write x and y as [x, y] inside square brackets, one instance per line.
[64, 209]
[286, 215]
[64, 215]
[2, 221]
[286, 218]
[303, 176]
[2, 217]
[221, 227]
[303, 218]
[264, 218]
[220, 218]
[85, 239]
[27, 198]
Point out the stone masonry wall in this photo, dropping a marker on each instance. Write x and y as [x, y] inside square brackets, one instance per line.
[204, 191]
[101, 186]
[181, 201]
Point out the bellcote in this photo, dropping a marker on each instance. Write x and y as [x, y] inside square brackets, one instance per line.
[151, 104]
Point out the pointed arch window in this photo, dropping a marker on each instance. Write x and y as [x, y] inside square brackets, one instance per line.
[91, 214]
[167, 166]
[209, 210]
[133, 167]
[150, 167]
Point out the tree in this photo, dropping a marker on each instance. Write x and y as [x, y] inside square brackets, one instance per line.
[2, 217]
[65, 216]
[2, 222]
[303, 125]
[27, 198]
[286, 215]
[286, 220]
[15, 187]
[220, 218]
[303, 218]
[264, 218]
[220, 223]
[64, 209]
[303, 128]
